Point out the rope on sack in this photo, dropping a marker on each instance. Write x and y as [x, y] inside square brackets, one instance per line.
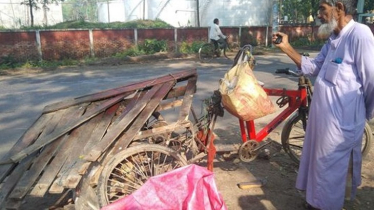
[243, 55]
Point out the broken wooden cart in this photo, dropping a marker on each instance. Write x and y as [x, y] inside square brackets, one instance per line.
[104, 146]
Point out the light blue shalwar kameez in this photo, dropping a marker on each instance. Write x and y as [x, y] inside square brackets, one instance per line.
[343, 99]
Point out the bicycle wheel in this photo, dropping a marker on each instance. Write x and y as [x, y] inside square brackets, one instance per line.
[128, 170]
[206, 52]
[366, 140]
[293, 135]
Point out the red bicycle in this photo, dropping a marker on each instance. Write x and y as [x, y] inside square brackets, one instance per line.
[293, 132]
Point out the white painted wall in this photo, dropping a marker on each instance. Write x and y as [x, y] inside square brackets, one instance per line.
[14, 15]
[182, 13]
[178, 13]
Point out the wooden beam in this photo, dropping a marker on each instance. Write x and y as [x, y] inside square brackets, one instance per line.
[26, 139]
[182, 75]
[117, 130]
[142, 118]
[187, 99]
[61, 131]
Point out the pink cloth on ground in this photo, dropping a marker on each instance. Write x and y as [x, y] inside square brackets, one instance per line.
[190, 187]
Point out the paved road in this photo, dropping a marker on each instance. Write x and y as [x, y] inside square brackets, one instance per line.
[23, 97]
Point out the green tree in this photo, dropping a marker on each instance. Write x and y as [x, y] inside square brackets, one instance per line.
[80, 10]
[296, 10]
[33, 4]
[368, 5]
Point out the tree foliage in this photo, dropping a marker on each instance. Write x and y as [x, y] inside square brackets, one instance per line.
[298, 10]
[84, 10]
[34, 5]
[368, 5]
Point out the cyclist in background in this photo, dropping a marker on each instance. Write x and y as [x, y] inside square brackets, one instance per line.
[216, 35]
[342, 101]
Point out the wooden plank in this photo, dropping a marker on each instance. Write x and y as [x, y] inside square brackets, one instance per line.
[61, 131]
[21, 168]
[120, 90]
[8, 185]
[98, 132]
[26, 139]
[131, 104]
[187, 99]
[30, 176]
[73, 161]
[169, 105]
[160, 130]
[72, 177]
[102, 161]
[13, 204]
[50, 172]
[39, 163]
[89, 98]
[47, 178]
[76, 137]
[59, 159]
[116, 131]
[176, 92]
[58, 184]
[101, 128]
[94, 179]
[138, 123]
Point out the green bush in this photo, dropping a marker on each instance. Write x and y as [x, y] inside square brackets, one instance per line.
[151, 46]
[305, 42]
[190, 48]
[8, 62]
[134, 51]
[302, 41]
[185, 48]
[196, 46]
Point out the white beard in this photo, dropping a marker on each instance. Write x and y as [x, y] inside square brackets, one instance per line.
[326, 29]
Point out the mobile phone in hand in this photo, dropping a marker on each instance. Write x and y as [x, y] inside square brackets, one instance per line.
[278, 40]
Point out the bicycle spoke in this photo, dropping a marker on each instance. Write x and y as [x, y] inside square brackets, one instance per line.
[130, 170]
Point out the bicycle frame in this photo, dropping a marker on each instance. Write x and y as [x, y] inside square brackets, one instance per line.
[296, 100]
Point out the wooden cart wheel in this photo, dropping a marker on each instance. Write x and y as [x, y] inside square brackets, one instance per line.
[128, 170]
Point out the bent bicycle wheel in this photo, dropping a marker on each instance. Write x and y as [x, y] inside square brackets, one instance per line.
[293, 135]
[206, 52]
[128, 170]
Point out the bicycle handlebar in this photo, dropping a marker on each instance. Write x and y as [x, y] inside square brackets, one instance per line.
[287, 71]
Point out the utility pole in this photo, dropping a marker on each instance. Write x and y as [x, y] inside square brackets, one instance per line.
[107, 3]
[360, 10]
[275, 20]
[143, 9]
[198, 13]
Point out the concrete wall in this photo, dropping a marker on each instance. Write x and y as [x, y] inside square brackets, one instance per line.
[183, 13]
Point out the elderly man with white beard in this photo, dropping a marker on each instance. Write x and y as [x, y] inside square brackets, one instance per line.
[343, 99]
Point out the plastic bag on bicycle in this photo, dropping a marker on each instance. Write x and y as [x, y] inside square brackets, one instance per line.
[242, 95]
